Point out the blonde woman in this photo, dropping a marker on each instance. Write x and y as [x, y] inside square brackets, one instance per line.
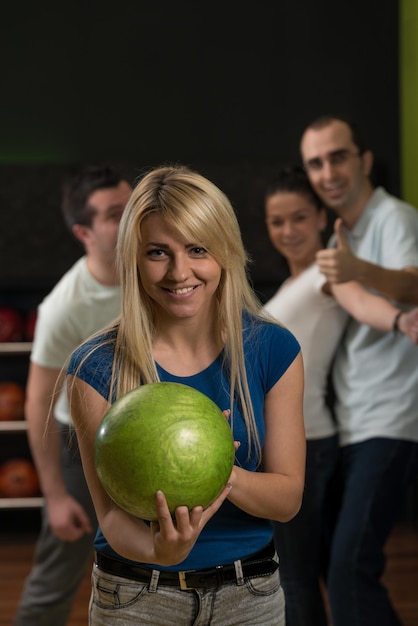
[190, 316]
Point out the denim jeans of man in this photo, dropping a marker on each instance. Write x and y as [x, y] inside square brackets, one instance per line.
[375, 475]
[302, 543]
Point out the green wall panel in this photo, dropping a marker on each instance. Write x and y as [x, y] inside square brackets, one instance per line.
[409, 99]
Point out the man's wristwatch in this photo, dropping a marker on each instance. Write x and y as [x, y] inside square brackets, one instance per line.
[395, 327]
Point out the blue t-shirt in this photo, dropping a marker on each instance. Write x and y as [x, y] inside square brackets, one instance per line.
[269, 350]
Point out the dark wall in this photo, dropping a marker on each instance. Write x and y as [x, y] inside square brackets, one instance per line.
[224, 89]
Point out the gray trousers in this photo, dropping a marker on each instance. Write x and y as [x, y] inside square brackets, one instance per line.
[58, 567]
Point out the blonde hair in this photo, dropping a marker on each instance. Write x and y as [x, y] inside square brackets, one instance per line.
[200, 211]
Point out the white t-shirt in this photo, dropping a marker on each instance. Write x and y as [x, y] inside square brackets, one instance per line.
[77, 307]
[317, 322]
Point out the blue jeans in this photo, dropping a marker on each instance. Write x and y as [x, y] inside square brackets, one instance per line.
[123, 602]
[301, 543]
[375, 475]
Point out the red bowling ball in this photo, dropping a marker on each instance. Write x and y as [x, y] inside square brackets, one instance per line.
[12, 325]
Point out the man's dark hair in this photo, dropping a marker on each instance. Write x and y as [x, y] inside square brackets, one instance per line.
[292, 179]
[78, 188]
[357, 135]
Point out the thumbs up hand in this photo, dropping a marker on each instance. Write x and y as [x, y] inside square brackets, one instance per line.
[342, 241]
[339, 264]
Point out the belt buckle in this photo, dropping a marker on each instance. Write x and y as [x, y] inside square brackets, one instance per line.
[182, 580]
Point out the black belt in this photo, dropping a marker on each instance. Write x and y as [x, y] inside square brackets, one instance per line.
[259, 564]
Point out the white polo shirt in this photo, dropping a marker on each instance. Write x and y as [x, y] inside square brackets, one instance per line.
[376, 373]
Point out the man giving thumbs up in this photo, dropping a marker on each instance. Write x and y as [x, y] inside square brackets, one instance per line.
[375, 374]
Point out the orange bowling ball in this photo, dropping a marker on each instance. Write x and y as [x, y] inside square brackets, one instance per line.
[12, 401]
[18, 479]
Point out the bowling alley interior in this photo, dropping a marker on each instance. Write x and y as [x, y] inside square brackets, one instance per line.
[227, 91]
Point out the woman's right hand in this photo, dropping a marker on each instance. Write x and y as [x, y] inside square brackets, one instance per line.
[174, 537]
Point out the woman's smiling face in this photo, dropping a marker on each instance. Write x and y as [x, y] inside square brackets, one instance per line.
[180, 276]
[294, 225]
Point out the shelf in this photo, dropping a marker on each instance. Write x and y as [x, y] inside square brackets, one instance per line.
[16, 426]
[15, 347]
[21, 503]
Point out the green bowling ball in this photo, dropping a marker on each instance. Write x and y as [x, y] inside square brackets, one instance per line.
[163, 436]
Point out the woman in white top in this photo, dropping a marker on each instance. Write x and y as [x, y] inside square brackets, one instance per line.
[296, 220]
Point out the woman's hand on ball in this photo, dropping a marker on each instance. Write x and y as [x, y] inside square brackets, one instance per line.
[174, 538]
